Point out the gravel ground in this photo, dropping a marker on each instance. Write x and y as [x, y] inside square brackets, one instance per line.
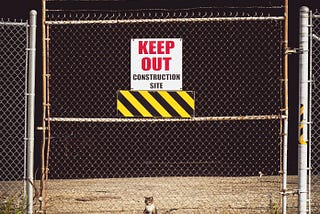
[176, 195]
[171, 194]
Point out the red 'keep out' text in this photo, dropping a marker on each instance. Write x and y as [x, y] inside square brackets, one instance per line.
[155, 47]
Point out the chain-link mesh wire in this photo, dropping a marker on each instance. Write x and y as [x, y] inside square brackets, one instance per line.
[315, 130]
[218, 57]
[234, 65]
[13, 59]
[164, 149]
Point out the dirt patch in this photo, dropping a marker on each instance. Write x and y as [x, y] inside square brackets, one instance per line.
[172, 195]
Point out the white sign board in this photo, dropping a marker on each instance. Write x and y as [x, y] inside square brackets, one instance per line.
[156, 64]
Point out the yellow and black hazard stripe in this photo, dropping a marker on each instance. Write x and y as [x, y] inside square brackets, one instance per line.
[301, 127]
[166, 104]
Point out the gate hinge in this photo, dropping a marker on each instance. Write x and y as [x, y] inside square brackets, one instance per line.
[40, 128]
[294, 51]
[291, 192]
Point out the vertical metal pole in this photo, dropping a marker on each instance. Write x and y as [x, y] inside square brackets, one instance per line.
[303, 96]
[285, 116]
[31, 109]
[310, 113]
[285, 164]
[44, 104]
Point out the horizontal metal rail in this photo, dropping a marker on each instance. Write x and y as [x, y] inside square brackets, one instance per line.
[113, 120]
[2, 22]
[129, 21]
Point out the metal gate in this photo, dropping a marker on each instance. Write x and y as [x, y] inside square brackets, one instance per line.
[226, 158]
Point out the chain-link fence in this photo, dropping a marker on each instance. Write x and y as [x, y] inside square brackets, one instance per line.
[226, 158]
[315, 100]
[13, 68]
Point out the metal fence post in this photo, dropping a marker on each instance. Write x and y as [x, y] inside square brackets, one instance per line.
[285, 118]
[310, 114]
[303, 96]
[31, 110]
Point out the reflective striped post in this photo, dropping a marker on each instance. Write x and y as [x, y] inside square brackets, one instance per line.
[303, 113]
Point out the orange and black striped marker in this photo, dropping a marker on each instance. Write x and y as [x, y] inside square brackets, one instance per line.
[165, 104]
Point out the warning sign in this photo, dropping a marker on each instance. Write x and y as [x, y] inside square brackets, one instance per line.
[166, 104]
[156, 64]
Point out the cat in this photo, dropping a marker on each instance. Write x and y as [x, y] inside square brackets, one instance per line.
[150, 207]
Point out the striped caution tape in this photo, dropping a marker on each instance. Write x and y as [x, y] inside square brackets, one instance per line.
[166, 104]
[301, 138]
